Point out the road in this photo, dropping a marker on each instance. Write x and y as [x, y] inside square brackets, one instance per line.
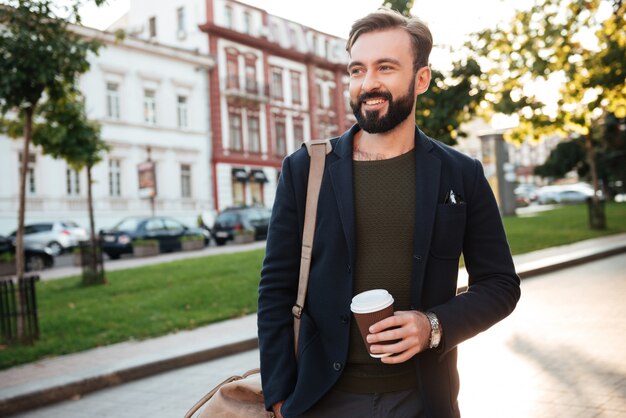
[560, 354]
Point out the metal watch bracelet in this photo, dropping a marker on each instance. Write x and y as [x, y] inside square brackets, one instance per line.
[435, 330]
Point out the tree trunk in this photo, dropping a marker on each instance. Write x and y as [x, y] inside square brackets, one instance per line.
[597, 218]
[96, 276]
[19, 236]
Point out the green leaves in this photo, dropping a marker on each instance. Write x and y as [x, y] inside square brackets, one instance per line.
[37, 54]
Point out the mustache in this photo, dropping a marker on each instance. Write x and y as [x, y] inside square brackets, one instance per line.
[375, 95]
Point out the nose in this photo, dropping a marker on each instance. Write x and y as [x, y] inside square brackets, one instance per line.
[370, 82]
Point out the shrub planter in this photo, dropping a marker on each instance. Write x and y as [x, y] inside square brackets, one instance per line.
[244, 237]
[145, 248]
[192, 242]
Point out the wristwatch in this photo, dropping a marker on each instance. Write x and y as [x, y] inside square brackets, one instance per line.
[435, 330]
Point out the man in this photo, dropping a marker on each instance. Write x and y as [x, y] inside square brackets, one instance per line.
[396, 210]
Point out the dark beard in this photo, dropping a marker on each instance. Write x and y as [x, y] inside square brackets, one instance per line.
[397, 111]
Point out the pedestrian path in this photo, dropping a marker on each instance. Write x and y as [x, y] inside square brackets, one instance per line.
[28, 386]
[126, 263]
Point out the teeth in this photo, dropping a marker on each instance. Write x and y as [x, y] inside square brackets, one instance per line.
[374, 101]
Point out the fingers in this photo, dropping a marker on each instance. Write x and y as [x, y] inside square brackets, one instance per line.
[406, 329]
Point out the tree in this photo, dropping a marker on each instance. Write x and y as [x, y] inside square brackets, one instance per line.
[39, 58]
[69, 135]
[450, 101]
[402, 6]
[552, 41]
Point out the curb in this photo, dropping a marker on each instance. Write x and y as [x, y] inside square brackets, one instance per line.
[68, 391]
[43, 397]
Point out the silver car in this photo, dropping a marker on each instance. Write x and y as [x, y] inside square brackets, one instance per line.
[58, 236]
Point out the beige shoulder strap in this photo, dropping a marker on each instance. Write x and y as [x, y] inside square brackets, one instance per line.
[317, 150]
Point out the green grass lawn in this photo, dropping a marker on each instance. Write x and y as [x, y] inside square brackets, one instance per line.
[155, 300]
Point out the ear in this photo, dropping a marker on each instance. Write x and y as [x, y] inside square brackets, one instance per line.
[422, 80]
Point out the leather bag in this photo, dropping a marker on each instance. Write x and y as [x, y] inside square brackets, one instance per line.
[241, 396]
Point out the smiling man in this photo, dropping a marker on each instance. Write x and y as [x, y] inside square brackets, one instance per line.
[396, 211]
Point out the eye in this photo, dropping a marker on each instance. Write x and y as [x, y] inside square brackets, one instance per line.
[355, 71]
[385, 68]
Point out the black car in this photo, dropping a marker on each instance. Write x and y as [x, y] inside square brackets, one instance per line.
[232, 220]
[119, 239]
[35, 257]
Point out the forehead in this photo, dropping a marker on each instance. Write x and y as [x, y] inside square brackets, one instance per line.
[390, 43]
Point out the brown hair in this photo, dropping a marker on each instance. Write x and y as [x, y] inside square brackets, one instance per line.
[383, 18]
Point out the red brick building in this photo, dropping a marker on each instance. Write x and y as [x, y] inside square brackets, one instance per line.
[276, 84]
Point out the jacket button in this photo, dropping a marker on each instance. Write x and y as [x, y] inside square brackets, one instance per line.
[349, 268]
[337, 366]
[417, 257]
[344, 319]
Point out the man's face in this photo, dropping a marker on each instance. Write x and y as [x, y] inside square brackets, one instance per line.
[382, 81]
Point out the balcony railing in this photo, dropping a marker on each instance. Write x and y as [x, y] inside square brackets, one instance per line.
[250, 89]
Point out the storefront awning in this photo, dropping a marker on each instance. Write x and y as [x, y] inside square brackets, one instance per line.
[258, 176]
[240, 175]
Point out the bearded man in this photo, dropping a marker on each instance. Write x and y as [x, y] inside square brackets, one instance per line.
[396, 211]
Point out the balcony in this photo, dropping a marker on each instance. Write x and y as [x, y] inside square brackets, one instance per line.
[250, 90]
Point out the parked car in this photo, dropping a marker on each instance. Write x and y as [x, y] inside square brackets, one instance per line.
[59, 236]
[234, 219]
[168, 231]
[525, 194]
[567, 193]
[35, 257]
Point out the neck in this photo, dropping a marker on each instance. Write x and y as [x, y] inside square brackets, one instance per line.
[383, 146]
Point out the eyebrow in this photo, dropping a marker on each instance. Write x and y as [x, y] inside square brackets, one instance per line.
[377, 62]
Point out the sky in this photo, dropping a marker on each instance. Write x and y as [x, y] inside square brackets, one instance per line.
[450, 21]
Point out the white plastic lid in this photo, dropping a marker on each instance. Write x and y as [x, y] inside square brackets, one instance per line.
[371, 301]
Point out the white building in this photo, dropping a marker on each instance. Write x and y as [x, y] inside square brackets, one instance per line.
[147, 97]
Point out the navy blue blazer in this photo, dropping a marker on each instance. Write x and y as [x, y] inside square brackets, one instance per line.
[442, 232]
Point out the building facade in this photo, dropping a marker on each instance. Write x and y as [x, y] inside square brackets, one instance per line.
[276, 84]
[151, 101]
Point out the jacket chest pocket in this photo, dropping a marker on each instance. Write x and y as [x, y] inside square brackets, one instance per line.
[448, 231]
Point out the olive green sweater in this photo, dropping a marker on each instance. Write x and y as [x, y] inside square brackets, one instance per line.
[384, 197]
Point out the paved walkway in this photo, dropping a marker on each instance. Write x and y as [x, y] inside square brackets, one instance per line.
[126, 263]
[31, 385]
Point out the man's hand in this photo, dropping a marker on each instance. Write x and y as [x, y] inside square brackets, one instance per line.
[276, 408]
[413, 331]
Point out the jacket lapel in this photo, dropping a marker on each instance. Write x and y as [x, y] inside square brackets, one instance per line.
[428, 169]
[341, 178]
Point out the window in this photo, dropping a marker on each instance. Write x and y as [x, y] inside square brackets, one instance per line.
[72, 182]
[251, 85]
[181, 111]
[113, 100]
[149, 106]
[115, 178]
[185, 180]
[228, 16]
[320, 95]
[298, 133]
[331, 98]
[247, 23]
[180, 19]
[232, 81]
[281, 140]
[296, 97]
[235, 131]
[277, 83]
[254, 140]
[30, 173]
[152, 26]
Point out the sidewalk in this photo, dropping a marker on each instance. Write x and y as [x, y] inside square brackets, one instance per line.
[43, 382]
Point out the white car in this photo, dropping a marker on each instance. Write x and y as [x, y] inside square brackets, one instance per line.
[567, 193]
[58, 236]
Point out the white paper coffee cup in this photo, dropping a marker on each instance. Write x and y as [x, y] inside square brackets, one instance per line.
[368, 308]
